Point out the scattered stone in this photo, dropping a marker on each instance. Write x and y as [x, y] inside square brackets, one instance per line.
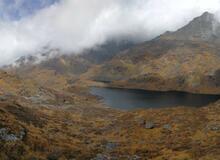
[149, 125]
[135, 157]
[3, 131]
[36, 99]
[5, 136]
[87, 141]
[3, 98]
[214, 127]
[167, 126]
[110, 146]
[67, 102]
[101, 157]
[22, 134]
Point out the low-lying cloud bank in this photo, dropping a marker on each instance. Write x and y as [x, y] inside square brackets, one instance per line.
[72, 25]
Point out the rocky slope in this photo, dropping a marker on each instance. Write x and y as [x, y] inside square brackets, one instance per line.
[186, 60]
[54, 69]
[66, 124]
[69, 63]
[87, 130]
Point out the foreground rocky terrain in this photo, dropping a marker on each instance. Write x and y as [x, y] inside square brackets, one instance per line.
[47, 112]
[77, 126]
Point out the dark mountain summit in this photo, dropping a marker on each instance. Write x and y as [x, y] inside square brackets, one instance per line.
[203, 28]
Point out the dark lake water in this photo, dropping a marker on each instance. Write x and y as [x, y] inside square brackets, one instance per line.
[128, 99]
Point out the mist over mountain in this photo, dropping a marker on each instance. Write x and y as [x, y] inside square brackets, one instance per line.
[203, 28]
[186, 59]
[73, 25]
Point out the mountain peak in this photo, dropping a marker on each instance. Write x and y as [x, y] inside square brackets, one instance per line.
[203, 28]
[207, 15]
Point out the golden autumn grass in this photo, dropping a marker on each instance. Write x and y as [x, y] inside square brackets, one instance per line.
[84, 128]
[63, 121]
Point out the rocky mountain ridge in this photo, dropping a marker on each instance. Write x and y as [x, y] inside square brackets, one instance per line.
[203, 28]
[185, 60]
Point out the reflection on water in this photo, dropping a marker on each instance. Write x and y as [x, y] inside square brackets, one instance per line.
[133, 99]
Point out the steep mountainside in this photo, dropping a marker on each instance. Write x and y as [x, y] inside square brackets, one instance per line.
[69, 63]
[58, 70]
[186, 60]
[203, 28]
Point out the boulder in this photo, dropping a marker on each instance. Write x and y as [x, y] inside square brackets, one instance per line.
[149, 125]
[110, 146]
[167, 126]
[5, 136]
[101, 157]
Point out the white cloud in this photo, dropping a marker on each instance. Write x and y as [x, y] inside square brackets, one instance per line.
[72, 25]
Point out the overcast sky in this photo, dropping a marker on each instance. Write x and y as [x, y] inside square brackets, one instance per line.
[72, 25]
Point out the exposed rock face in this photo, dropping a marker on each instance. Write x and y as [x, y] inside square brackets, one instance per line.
[149, 125]
[5, 135]
[203, 28]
